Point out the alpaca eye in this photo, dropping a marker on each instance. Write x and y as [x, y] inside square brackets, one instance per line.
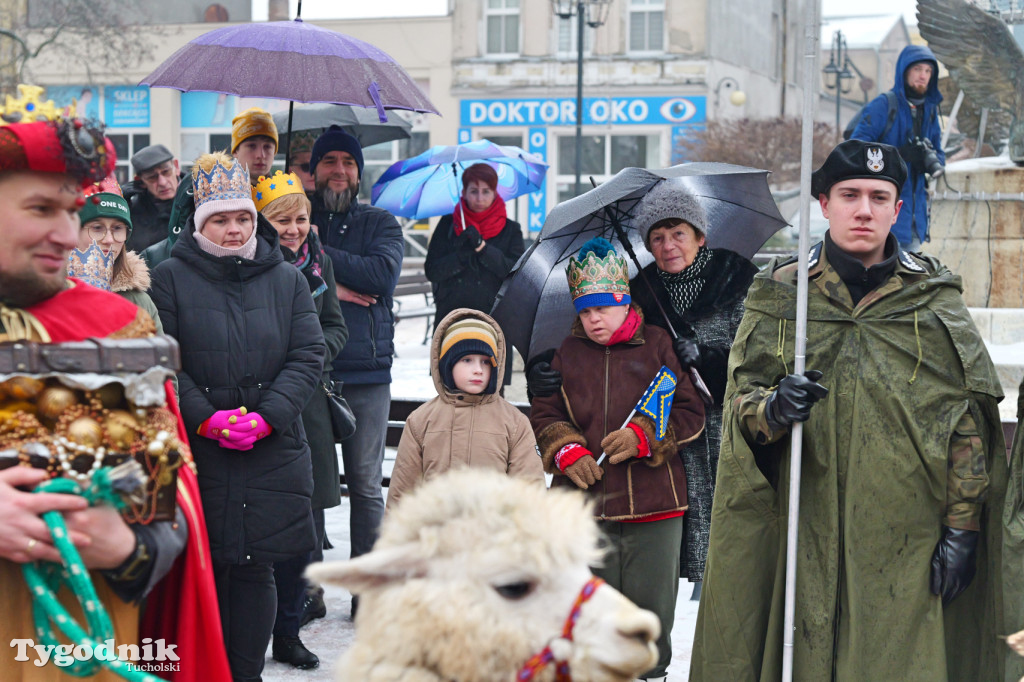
[514, 591]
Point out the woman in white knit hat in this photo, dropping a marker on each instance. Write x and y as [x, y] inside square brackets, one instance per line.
[252, 353]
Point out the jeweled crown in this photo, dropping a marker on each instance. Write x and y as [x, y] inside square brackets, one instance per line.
[275, 187]
[222, 184]
[91, 266]
[593, 275]
[28, 107]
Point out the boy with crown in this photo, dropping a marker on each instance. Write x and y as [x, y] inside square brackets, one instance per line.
[252, 355]
[607, 363]
[44, 164]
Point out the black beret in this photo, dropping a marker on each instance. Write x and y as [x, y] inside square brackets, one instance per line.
[859, 159]
[150, 157]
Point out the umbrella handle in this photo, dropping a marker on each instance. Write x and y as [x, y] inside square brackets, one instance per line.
[291, 108]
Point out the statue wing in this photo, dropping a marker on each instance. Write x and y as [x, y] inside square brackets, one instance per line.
[979, 51]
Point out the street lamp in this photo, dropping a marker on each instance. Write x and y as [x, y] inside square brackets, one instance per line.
[737, 98]
[593, 13]
[838, 70]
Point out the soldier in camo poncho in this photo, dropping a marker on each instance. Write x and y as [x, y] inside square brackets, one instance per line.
[903, 552]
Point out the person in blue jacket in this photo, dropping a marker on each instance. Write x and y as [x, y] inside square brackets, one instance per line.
[915, 132]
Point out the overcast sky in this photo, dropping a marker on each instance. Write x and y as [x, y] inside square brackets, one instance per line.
[346, 9]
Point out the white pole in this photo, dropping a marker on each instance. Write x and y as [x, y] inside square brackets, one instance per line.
[811, 81]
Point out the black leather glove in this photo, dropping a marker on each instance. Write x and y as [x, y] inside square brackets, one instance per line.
[687, 351]
[472, 236]
[793, 399]
[541, 380]
[953, 562]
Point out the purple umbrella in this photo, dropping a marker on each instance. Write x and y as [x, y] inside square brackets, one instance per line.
[291, 60]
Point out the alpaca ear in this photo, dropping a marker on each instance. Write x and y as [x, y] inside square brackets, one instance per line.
[378, 568]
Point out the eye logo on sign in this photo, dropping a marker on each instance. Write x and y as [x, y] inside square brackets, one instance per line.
[678, 109]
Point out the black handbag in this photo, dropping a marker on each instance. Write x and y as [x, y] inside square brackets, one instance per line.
[343, 419]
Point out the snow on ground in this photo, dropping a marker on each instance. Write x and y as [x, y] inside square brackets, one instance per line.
[329, 637]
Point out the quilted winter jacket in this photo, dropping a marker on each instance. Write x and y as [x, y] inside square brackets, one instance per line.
[249, 335]
[456, 429]
[366, 246]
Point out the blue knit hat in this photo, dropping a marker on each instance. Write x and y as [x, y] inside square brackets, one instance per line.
[335, 139]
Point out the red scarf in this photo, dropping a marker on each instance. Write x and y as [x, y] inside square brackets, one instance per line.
[627, 330]
[488, 222]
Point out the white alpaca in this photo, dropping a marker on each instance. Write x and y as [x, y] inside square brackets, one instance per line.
[474, 573]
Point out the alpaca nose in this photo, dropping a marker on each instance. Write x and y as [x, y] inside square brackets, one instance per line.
[640, 625]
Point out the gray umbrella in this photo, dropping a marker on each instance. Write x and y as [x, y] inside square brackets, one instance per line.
[363, 123]
[533, 306]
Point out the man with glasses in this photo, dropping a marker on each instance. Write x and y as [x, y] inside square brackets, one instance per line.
[151, 194]
[302, 149]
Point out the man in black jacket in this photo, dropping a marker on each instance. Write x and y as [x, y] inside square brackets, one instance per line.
[366, 246]
[151, 195]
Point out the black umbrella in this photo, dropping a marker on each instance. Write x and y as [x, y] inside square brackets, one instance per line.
[362, 123]
[533, 306]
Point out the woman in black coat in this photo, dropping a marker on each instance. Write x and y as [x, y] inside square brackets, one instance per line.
[252, 355]
[472, 250]
[287, 209]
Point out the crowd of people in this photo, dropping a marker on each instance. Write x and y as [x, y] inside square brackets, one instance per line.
[278, 290]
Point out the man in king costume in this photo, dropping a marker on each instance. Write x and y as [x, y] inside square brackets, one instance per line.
[154, 579]
[905, 532]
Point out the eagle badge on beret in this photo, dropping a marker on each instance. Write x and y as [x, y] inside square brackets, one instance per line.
[875, 162]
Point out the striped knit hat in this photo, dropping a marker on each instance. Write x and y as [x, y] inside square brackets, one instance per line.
[469, 336]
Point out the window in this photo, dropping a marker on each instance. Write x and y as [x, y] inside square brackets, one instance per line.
[126, 144]
[501, 19]
[602, 157]
[646, 25]
[568, 37]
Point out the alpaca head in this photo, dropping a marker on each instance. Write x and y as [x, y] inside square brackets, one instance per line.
[475, 572]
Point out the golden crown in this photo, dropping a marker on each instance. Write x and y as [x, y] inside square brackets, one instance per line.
[27, 107]
[275, 187]
[593, 275]
[222, 184]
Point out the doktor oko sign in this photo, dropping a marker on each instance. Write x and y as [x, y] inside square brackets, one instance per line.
[672, 111]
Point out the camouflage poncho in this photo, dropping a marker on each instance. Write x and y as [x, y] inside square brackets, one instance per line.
[906, 369]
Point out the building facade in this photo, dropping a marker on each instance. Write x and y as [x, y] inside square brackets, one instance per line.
[653, 72]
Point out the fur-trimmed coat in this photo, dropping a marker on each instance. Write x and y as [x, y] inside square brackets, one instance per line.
[132, 283]
[600, 387]
[711, 320]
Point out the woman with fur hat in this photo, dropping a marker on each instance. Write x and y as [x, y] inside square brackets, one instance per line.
[640, 496]
[252, 354]
[702, 291]
[101, 258]
[468, 423]
[473, 249]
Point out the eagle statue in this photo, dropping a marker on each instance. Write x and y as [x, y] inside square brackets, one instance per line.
[982, 56]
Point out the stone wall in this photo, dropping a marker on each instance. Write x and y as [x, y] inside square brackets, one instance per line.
[982, 241]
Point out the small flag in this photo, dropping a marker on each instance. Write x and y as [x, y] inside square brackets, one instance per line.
[657, 400]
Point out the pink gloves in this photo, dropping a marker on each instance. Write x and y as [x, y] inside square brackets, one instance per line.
[235, 429]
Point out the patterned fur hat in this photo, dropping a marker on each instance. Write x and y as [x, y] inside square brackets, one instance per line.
[669, 199]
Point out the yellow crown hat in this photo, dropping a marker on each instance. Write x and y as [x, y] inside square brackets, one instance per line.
[275, 187]
[29, 107]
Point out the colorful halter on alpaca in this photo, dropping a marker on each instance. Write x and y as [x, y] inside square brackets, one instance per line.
[541, 660]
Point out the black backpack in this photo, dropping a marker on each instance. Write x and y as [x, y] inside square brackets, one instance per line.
[890, 117]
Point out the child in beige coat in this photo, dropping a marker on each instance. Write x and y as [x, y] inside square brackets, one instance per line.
[468, 423]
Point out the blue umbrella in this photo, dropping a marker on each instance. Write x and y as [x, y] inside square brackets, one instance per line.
[430, 184]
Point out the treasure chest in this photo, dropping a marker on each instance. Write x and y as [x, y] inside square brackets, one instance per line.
[72, 408]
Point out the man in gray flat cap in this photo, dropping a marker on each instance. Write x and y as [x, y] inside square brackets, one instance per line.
[151, 195]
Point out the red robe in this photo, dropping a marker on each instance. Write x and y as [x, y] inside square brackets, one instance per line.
[182, 608]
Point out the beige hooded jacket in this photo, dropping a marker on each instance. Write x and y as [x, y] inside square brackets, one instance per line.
[457, 430]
